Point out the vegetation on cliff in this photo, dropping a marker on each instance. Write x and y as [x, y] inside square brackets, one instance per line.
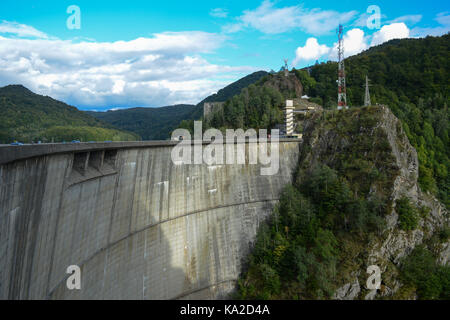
[327, 213]
[407, 214]
[321, 228]
[421, 275]
[411, 76]
[298, 255]
[26, 117]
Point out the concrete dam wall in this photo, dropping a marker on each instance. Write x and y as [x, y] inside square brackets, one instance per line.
[137, 225]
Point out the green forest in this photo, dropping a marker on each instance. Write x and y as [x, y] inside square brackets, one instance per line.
[325, 219]
[158, 123]
[411, 76]
[148, 123]
[255, 107]
[321, 227]
[29, 117]
[234, 88]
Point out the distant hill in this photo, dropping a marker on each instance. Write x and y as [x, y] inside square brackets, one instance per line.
[26, 117]
[412, 69]
[235, 88]
[259, 105]
[227, 92]
[158, 123]
[149, 123]
[412, 77]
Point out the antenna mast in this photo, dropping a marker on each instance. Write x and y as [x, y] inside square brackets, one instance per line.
[342, 96]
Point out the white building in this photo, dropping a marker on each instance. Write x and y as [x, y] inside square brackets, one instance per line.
[289, 116]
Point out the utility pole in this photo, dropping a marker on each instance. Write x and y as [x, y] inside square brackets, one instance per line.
[342, 94]
[367, 95]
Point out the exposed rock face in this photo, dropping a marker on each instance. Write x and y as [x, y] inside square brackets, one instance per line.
[210, 108]
[393, 244]
[285, 84]
[305, 104]
[349, 291]
[444, 253]
[398, 243]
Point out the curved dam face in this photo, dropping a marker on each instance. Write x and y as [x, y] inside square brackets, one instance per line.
[137, 225]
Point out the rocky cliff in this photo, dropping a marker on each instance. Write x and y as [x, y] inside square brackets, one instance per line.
[376, 135]
[285, 85]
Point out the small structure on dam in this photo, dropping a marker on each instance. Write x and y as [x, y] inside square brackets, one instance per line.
[137, 225]
[289, 117]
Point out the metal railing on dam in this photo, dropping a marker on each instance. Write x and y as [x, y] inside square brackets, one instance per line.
[137, 225]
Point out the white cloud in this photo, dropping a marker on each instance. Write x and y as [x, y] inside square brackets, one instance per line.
[361, 21]
[419, 32]
[389, 32]
[312, 50]
[218, 13]
[233, 27]
[355, 41]
[21, 30]
[268, 19]
[411, 19]
[271, 20]
[407, 19]
[164, 69]
[442, 18]
[321, 22]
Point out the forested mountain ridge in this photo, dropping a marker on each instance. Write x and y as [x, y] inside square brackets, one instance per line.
[401, 70]
[234, 88]
[259, 105]
[227, 92]
[26, 117]
[158, 123]
[412, 77]
[148, 123]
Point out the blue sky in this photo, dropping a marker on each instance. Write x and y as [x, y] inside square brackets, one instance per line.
[155, 53]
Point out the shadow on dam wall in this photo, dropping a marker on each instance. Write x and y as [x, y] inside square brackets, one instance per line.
[138, 226]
